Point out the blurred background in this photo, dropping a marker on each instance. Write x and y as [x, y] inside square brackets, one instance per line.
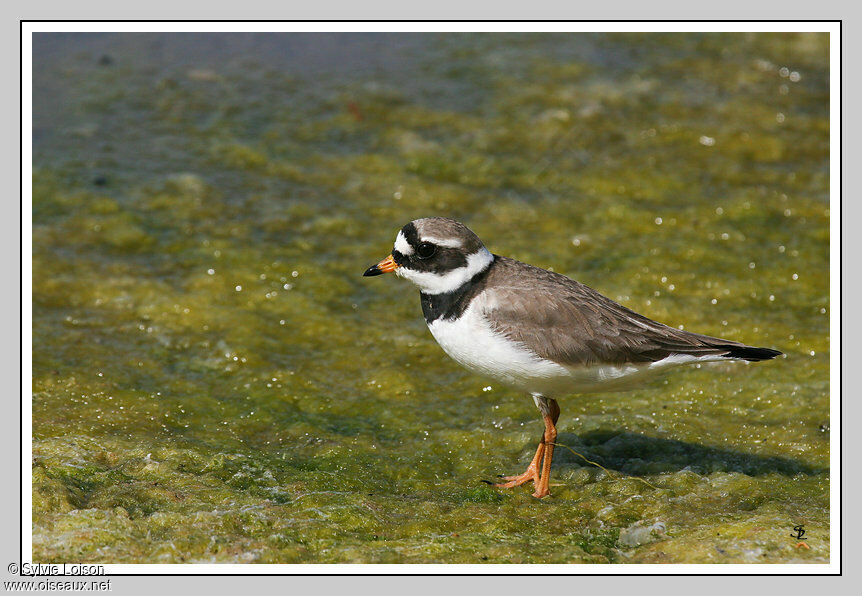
[214, 381]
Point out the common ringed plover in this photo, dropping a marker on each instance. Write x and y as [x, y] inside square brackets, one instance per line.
[537, 330]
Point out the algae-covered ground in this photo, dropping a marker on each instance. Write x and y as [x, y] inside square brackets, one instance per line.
[214, 381]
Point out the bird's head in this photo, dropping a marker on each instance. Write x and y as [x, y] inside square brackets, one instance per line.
[437, 254]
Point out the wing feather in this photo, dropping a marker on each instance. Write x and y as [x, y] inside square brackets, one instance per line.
[563, 320]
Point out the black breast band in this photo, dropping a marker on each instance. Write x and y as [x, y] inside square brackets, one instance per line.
[451, 305]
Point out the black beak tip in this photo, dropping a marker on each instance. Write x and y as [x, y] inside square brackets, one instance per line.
[373, 270]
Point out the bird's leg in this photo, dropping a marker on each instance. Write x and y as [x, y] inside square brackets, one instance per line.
[550, 414]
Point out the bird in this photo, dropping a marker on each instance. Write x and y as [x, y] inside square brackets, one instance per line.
[536, 330]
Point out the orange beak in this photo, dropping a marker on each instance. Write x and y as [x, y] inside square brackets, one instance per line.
[387, 265]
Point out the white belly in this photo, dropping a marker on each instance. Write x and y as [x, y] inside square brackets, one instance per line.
[470, 341]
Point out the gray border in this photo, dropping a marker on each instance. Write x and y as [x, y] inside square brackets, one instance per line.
[443, 9]
[10, 247]
[440, 9]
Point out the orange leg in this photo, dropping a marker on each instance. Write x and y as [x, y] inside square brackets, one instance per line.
[545, 451]
[543, 485]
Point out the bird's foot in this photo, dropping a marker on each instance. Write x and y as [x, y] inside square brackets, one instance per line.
[530, 475]
[541, 491]
[543, 485]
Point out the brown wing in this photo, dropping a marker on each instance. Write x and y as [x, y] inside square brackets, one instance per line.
[570, 323]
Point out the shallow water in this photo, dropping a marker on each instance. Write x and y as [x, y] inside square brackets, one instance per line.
[214, 381]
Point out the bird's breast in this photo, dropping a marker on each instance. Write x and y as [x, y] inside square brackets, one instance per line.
[471, 341]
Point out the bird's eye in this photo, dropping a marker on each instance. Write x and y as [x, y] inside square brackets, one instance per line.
[426, 250]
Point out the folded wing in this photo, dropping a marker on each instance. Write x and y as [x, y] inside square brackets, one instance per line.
[563, 320]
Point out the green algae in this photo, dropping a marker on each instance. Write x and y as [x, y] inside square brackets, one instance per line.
[213, 381]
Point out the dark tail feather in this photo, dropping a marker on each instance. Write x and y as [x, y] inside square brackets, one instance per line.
[749, 353]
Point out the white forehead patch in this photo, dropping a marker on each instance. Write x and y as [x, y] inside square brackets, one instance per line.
[450, 242]
[402, 246]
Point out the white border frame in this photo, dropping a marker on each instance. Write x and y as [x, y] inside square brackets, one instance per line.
[831, 27]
